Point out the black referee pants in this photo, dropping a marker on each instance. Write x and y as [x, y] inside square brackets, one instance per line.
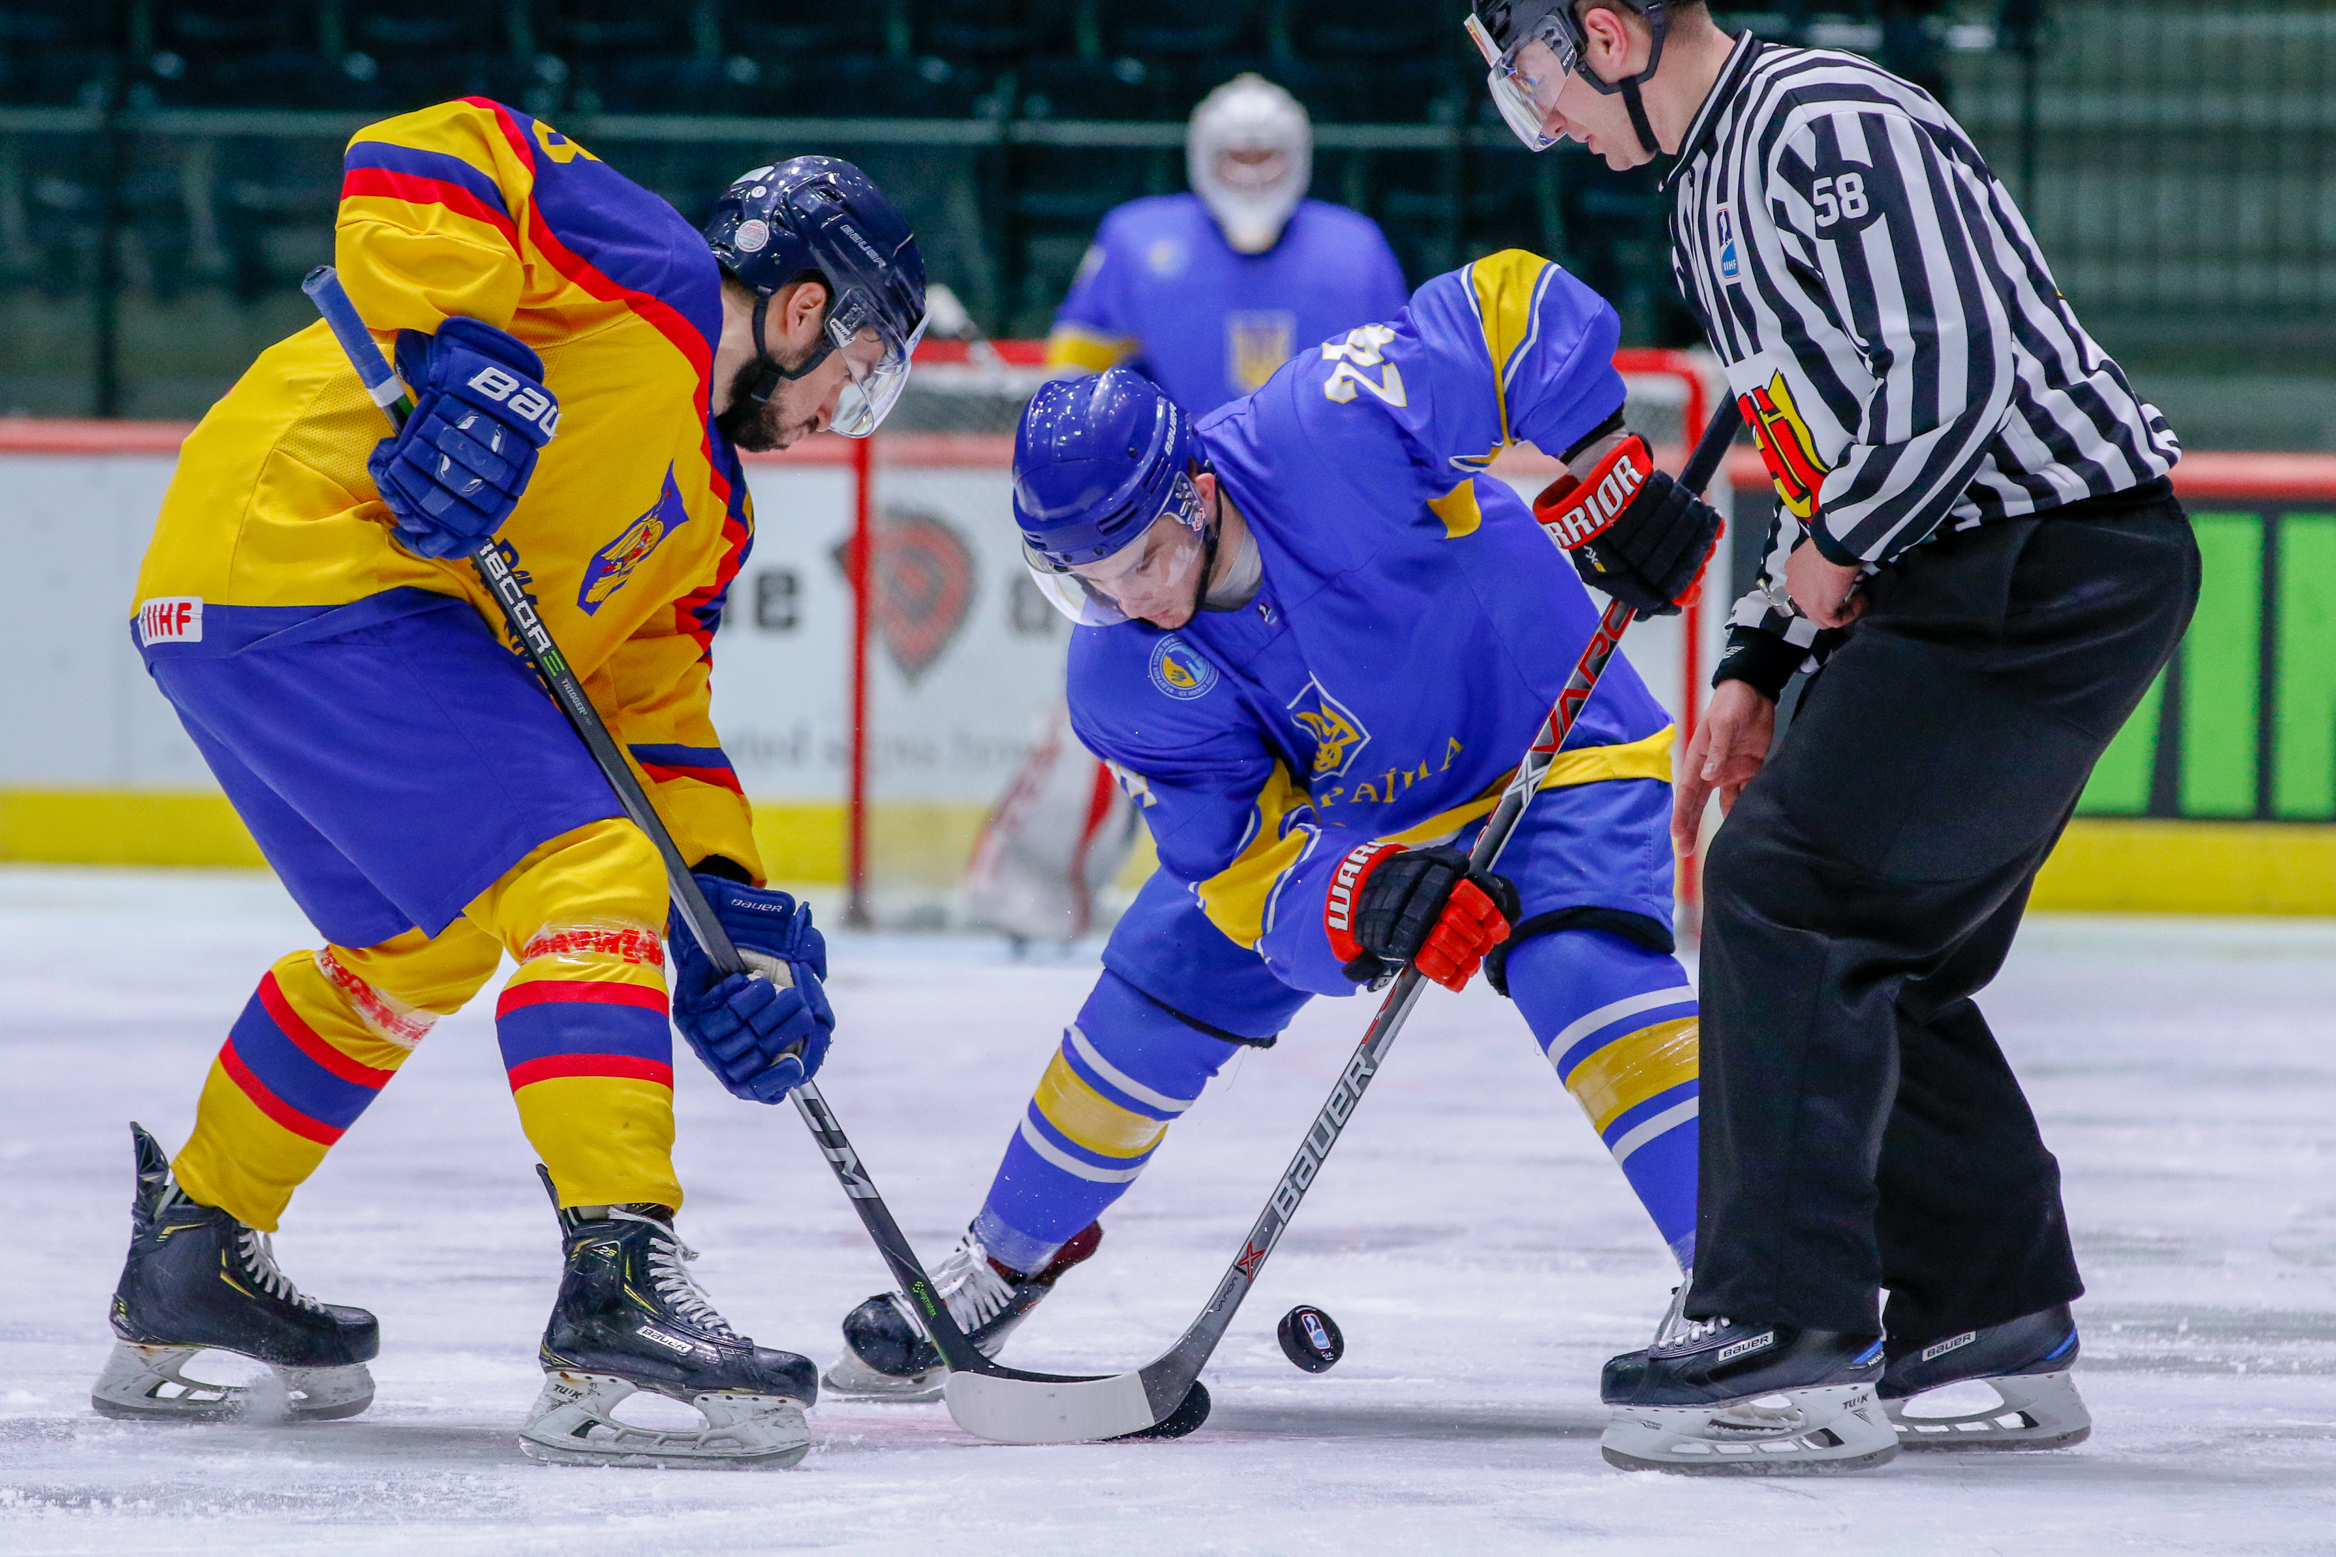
[1860, 1128]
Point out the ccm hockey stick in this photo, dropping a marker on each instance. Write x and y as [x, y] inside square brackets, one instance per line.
[527, 630]
[1014, 1408]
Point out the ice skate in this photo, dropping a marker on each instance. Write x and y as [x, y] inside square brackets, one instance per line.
[630, 1317]
[2025, 1361]
[199, 1280]
[1712, 1396]
[886, 1354]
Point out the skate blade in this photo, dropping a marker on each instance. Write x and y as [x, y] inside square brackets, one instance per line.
[848, 1378]
[2033, 1411]
[1828, 1430]
[572, 1424]
[143, 1383]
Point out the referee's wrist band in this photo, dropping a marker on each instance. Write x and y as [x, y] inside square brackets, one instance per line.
[1761, 660]
[1830, 549]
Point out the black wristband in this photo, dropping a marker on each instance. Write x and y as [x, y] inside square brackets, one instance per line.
[1761, 660]
[723, 868]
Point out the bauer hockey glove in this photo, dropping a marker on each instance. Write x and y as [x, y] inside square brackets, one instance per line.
[1631, 530]
[1389, 905]
[454, 472]
[763, 1033]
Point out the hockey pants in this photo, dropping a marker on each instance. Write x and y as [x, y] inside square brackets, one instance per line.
[1862, 1130]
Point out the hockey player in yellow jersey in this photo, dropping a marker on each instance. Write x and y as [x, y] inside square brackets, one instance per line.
[585, 367]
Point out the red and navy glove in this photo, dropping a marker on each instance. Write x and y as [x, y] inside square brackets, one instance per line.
[1631, 530]
[1389, 905]
[454, 472]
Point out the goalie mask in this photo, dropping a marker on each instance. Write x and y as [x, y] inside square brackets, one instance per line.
[1250, 156]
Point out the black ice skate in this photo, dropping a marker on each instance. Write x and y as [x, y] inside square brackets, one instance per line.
[2025, 1361]
[886, 1355]
[1715, 1396]
[197, 1279]
[630, 1317]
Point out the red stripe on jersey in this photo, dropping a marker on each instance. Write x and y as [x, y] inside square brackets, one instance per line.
[621, 1066]
[721, 778]
[551, 991]
[414, 189]
[307, 1041]
[307, 1127]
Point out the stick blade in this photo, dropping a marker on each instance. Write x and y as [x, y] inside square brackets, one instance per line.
[1009, 1410]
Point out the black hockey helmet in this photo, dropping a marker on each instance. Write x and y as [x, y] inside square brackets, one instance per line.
[783, 221]
[1501, 28]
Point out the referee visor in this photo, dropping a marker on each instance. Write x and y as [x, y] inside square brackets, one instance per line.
[1525, 90]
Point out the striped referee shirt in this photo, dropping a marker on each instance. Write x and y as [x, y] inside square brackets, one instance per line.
[1888, 325]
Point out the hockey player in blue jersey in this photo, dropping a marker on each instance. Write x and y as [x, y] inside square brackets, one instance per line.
[1316, 637]
[1207, 293]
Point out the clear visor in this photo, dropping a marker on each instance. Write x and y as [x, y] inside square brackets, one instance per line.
[878, 360]
[1524, 98]
[1157, 570]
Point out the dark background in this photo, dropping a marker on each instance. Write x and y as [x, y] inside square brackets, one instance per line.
[168, 168]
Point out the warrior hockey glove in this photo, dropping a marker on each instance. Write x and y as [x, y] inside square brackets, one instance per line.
[1631, 530]
[764, 1033]
[1389, 905]
[453, 473]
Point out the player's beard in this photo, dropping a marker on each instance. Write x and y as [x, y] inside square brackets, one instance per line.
[760, 428]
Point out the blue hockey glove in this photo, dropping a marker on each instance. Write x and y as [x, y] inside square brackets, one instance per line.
[453, 473]
[760, 1037]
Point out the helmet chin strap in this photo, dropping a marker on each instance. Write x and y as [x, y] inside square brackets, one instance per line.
[771, 372]
[1208, 553]
[1639, 123]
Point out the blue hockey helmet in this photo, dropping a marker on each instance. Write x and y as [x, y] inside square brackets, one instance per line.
[1098, 460]
[784, 221]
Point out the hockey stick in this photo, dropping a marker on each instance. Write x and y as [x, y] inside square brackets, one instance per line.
[1007, 1408]
[527, 629]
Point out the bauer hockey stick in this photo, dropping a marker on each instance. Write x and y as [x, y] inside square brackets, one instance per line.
[527, 629]
[1010, 1408]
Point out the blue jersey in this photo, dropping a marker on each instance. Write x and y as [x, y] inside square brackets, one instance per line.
[1162, 291]
[1414, 625]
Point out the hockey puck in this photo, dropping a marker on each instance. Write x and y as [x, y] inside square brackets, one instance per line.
[1310, 1338]
[1190, 1412]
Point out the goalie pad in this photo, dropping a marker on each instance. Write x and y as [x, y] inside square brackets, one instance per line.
[1055, 839]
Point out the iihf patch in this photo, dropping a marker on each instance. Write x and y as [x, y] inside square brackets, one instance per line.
[1179, 672]
[1724, 227]
[170, 619]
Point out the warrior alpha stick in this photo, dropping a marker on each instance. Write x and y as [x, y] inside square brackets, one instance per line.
[527, 629]
[1012, 1409]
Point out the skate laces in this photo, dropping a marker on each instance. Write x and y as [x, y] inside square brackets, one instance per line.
[670, 1275]
[1679, 1330]
[258, 1251]
[971, 1286]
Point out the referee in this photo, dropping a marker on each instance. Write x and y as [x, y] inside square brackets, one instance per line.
[1978, 552]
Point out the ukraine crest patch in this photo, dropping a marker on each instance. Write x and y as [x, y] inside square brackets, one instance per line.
[1179, 672]
[1339, 737]
[611, 567]
[1256, 344]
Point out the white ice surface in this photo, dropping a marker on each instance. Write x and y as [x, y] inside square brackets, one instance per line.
[1479, 1250]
